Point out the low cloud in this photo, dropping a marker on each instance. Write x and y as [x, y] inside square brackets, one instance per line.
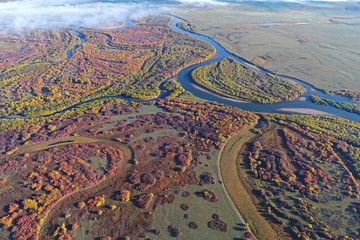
[27, 14]
[201, 3]
[24, 14]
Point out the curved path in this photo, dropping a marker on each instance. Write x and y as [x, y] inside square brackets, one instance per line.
[74, 197]
[229, 159]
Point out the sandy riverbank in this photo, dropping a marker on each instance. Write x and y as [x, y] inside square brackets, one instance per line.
[217, 95]
[308, 111]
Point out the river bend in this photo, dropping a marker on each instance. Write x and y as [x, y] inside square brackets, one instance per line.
[184, 77]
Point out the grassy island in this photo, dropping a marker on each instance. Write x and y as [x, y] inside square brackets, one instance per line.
[353, 108]
[231, 79]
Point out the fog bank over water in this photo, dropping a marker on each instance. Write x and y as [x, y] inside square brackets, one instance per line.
[66, 13]
[23, 14]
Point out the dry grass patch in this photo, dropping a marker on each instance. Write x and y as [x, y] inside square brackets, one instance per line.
[239, 188]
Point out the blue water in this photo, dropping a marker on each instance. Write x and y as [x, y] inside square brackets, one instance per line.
[82, 38]
[189, 85]
[184, 77]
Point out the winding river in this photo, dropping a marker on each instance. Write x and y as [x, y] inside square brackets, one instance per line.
[82, 38]
[188, 84]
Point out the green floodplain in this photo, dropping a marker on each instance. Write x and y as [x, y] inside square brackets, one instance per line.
[232, 79]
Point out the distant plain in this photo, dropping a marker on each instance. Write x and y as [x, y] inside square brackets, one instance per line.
[315, 42]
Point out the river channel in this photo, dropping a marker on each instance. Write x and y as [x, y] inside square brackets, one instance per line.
[184, 78]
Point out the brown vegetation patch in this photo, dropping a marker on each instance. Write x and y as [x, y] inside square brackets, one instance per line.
[174, 231]
[186, 194]
[218, 225]
[207, 195]
[207, 178]
[184, 207]
[193, 225]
